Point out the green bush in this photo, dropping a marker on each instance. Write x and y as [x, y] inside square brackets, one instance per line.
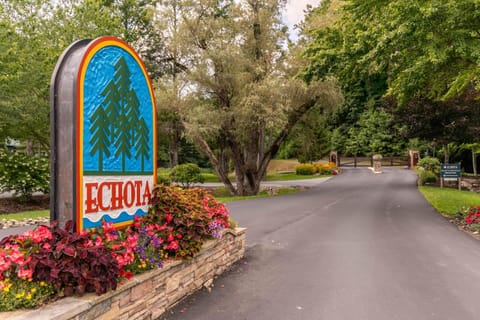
[23, 174]
[426, 176]
[430, 164]
[163, 179]
[306, 169]
[186, 174]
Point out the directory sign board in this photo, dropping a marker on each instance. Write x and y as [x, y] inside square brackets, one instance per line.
[450, 171]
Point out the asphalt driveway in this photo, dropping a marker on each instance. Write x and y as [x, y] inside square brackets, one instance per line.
[358, 246]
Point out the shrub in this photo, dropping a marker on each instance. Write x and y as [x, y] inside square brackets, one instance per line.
[23, 174]
[163, 179]
[305, 169]
[187, 217]
[186, 174]
[430, 164]
[329, 168]
[427, 177]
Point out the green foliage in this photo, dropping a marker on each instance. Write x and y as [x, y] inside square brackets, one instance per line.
[31, 42]
[23, 174]
[430, 164]
[426, 177]
[164, 179]
[419, 57]
[306, 169]
[309, 139]
[186, 174]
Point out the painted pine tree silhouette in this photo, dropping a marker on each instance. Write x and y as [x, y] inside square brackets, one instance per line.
[133, 112]
[123, 141]
[123, 134]
[100, 135]
[112, 106]
[141, 143]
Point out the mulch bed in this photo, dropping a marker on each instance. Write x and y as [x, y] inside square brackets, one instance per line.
[13, 205]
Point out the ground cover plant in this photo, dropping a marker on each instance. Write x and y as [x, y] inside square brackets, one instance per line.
[51, 262]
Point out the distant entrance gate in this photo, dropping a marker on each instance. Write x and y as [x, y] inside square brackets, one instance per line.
[353, 162]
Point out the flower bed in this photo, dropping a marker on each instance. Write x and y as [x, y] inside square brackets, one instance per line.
[52, 262]
[150, 294]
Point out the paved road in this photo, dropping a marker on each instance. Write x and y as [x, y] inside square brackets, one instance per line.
[359, 246]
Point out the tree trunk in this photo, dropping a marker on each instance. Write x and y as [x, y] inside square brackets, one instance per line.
[474, 162]
[174, 144]
[447, 155]
[29, 148]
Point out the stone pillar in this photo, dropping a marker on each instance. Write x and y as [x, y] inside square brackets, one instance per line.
[377, 163]
[334, 158]
[413, 158]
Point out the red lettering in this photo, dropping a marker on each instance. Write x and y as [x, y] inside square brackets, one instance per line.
[115, 195]
[138, 185]
[91, 200]
[100, 195]
[128, 197]
[117, 200]
[147, 195]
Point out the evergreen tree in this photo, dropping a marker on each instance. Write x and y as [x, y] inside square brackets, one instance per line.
[141, 143]
[100, 135]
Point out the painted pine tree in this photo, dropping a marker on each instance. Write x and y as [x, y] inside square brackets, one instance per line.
[112, 106]
[123, 141]
[100, 135]
[123, 134]
[133, 112]
[141, 143]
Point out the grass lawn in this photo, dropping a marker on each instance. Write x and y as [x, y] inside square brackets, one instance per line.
[26, 215]
[449, 201]
[263, 194]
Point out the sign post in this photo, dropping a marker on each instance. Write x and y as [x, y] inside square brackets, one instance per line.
[103, 124]
[450, 172]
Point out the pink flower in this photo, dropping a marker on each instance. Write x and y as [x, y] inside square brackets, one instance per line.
[173, 246]
[25, 273]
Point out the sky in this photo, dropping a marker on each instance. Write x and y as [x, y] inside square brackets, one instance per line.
[294, 13]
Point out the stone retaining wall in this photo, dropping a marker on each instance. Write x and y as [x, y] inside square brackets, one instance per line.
[150, 294]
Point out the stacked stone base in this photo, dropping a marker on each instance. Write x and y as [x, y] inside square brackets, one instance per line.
[149, 295]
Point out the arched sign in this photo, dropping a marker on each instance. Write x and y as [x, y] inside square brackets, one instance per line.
[103, 97]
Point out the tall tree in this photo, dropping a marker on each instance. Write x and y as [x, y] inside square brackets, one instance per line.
[420, 55]
[243, 87]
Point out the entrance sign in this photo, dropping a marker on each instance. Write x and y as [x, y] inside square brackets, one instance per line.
[102, 103]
